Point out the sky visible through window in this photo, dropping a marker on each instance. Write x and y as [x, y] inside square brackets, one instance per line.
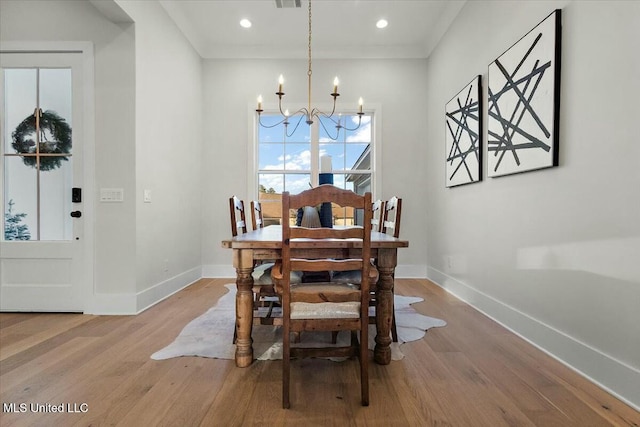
[285, 161]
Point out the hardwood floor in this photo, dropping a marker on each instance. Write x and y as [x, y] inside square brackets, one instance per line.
[472, 372]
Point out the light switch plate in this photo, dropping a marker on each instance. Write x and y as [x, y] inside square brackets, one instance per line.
[111, 194]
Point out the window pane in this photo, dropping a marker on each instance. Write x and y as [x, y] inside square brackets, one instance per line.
[270, 134]
[55, 92]
[271, 183]
[336, 151]
[271, 204]
[357, 157]
[343, 181]
[297, 157]
[21, 205]
[362, 134]
[298, 130]
[328, 131]
[56, 124]
[345, 215]
[360, 184]
[55, 202]
[296, 183]
[270, 155]
[20, 99]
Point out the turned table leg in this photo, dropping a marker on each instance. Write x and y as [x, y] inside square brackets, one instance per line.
[387, 260]
[243, 263]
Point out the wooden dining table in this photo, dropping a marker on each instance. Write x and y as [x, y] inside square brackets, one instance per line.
[266, 244]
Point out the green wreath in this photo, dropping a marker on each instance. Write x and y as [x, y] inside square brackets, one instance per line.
[50, 124]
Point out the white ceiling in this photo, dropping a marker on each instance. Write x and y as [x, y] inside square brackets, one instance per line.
[340, 28]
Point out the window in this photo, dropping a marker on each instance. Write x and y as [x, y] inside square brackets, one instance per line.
[308, 157]
[36, 153]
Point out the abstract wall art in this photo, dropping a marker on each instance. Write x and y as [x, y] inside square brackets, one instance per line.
[463, 133]
[523, 102]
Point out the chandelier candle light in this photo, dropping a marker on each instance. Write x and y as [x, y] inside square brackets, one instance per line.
[307, 112]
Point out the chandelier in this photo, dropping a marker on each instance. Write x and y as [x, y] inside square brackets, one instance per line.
[308, 113]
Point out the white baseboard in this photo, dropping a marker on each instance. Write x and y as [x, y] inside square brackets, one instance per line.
[614, 376]
[411, 271]
[154, 294]
[112, 304]
[130, 303]
[215, 271]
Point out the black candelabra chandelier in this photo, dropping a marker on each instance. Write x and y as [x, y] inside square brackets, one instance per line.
[308, 113]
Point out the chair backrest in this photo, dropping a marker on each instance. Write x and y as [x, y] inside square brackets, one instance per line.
[377, 215]
[314, 197]
[325, 306]
[257, 221]
[392, 214]
[238, 220]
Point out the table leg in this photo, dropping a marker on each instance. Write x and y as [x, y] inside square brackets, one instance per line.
[243, 262]
[387, 260]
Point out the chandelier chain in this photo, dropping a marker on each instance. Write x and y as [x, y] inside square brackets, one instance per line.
[309, 72]
[309, 50]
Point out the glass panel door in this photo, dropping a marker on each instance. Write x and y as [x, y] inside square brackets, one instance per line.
[41, 120]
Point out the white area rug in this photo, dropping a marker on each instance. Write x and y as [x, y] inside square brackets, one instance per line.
[211, 334]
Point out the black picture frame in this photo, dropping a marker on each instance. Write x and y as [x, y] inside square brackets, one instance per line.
[523, 102]
[463, 135]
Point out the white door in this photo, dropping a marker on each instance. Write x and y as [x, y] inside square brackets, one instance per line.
[41, 249]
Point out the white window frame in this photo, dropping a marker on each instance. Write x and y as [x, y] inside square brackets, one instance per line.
[373, 110]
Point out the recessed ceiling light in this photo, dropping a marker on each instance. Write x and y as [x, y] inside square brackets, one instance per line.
[245, 23]
[382, 23]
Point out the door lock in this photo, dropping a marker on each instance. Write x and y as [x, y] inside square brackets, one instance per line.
[76, 195]
[76, 214]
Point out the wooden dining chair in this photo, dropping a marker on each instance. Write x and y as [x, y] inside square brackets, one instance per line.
[265, 302]
[377, 213]
[324, 306]
[257, 220]
[389, 224]
[237, 215]
[391, 218]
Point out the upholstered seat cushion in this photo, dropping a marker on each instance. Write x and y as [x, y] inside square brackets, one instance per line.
[325, 310]
[324, 301]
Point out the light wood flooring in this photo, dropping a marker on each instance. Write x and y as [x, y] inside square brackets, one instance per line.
[472, 372]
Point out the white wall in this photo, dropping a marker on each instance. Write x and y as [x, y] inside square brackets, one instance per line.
[230, 91]
[168, 154]
[553, 254]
